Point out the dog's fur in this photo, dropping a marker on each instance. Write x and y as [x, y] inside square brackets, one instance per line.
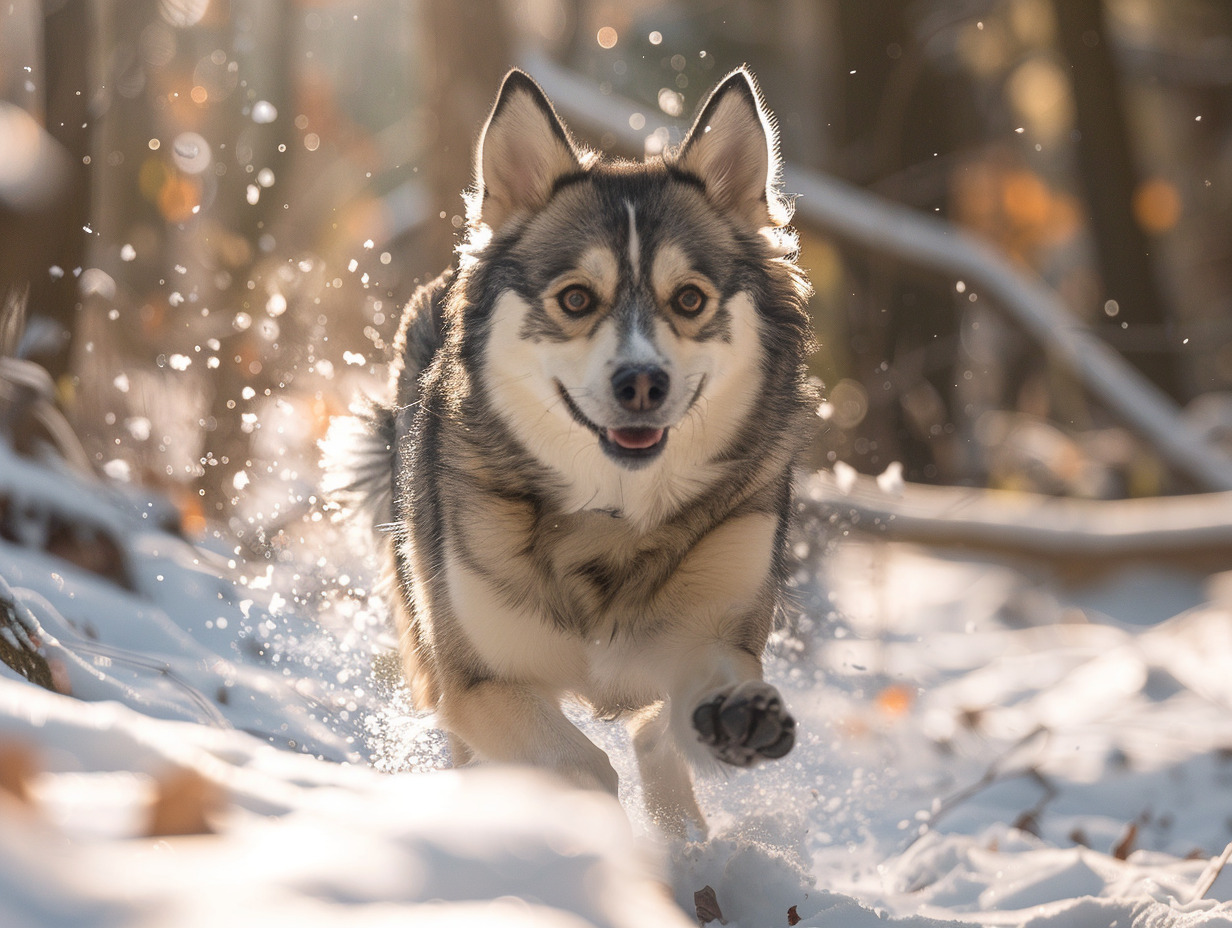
[586, 463]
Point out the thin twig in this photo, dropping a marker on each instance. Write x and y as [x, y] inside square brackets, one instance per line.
[1211, 873]
[994, 774]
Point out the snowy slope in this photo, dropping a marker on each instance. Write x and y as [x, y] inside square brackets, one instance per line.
[977, 746]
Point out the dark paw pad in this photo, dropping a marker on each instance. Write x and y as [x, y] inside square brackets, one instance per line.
[745, 724]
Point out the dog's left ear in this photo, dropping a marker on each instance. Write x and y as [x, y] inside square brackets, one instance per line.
[523, 151]
[733, 149]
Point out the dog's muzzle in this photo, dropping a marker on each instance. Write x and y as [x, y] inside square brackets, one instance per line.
[638, 390]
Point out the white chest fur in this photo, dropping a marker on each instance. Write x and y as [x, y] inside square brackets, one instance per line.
[707, 595]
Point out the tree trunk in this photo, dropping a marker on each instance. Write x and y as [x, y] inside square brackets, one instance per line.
[468, 52]
[1106, 166]
[46, 245]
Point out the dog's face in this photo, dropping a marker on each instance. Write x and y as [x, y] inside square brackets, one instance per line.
[626, 322]
[623, 334]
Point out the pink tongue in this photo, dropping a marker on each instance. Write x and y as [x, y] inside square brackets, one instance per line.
[635, 439]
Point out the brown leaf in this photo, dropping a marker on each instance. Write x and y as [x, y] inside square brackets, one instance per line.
[971, 719]
[707, 905]
[895, 700]
[1028, 823]
[183, 805]
[1126, 845]
[793, 917]
[18, 767]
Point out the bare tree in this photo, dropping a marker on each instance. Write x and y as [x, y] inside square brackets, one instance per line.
[1105, 153]
[468, 53]
[45, 240]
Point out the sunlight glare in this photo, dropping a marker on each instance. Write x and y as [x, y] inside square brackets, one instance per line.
[183, 13]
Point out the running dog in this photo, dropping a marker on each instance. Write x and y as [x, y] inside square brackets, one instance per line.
[584, 472]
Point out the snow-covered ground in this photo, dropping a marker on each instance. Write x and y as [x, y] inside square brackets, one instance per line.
[978, 745]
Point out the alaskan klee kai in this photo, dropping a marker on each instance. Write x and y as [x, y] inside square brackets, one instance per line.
[583, 471]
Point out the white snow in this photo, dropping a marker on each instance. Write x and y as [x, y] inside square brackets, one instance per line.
[979, 745]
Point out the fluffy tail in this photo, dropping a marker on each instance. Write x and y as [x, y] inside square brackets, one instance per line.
[357, 457]
[360, 460]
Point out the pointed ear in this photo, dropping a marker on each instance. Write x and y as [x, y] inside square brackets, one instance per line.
[523, 151]
[733, 149]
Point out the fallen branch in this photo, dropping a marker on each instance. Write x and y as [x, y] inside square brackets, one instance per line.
[1027, 523]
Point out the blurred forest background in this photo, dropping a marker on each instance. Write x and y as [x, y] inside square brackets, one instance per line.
[219, 206]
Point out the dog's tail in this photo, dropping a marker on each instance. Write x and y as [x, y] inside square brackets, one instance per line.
[357, 457]
[359, 454]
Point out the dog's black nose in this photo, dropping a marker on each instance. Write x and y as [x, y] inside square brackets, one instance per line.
[640, 388]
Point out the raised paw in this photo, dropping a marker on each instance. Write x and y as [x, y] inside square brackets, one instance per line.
[745, 724]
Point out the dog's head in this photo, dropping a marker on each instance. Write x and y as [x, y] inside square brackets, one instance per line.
[633, 309]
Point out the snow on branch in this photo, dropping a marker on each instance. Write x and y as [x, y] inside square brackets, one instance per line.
[1026, 523]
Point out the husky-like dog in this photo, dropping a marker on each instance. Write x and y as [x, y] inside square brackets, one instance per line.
[586, 464]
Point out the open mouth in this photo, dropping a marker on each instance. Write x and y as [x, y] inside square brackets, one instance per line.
[627, 445]
[635, 439]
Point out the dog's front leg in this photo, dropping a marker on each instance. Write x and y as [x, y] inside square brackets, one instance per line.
[667, 786]
[730, 709]
[513, 723]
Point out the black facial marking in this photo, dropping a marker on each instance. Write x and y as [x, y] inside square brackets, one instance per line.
[633, 314]
[539, 326]
[578, 416]
[567, 180]
[718, 328]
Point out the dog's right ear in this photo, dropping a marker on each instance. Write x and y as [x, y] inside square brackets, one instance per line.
[523, 151]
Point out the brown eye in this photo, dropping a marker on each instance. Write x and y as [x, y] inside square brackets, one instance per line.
[576, 300]
[689, 301]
